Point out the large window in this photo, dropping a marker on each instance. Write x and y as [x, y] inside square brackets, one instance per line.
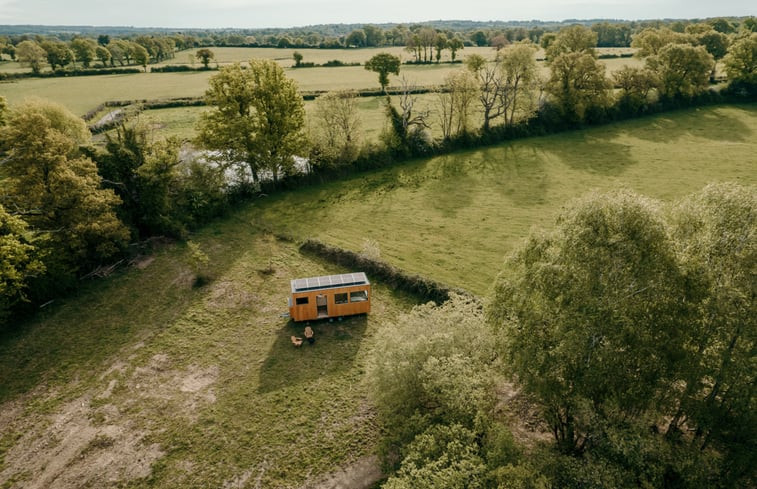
[340, 298]
[359, 296]
[300, 301]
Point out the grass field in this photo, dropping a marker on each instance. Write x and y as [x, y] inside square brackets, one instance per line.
[145, 380]
[455, 217]
[80, 94]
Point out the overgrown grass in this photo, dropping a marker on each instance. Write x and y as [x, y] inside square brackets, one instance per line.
[453, 218]
[269, 410]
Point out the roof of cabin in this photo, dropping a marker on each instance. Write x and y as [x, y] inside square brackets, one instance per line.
[329, 282]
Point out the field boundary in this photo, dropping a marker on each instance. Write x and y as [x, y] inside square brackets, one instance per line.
[425, 288]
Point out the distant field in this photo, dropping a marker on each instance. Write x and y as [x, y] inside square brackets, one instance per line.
[455, 217]
[81, 94]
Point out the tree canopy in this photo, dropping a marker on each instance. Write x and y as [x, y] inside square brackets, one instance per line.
[384, 64]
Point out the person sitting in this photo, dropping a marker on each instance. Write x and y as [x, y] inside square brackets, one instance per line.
[296, 341]
[309, 334]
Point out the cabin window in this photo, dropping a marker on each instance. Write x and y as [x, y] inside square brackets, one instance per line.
[359, 296]
[340, 298]
[301, 301]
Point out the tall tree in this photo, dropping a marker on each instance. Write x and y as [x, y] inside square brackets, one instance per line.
[205, 55]
[454, 45]
[103, 55]
[57, 189]
[384, 64]
[257, 119]
[455, 102]
[741, 60]
[374, 36]
[338, 123]
[84, 50]
[58, 53]
[518, 64]
[31, 54]
[355, 38]
[683, 69]
[577, 80]
[593, 315]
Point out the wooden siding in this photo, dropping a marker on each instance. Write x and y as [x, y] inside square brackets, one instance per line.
[309, 311]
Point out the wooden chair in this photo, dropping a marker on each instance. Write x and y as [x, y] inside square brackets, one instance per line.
[296, 341]
[309, 334]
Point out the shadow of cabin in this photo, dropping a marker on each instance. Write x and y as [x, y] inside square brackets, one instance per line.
[337, 343]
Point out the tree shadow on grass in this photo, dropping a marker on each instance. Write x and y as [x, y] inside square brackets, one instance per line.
[592, 153]
[705, 122]
[336, 345]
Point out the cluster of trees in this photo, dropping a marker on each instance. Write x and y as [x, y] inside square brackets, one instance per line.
[629, 327]
[67, 208]
[86, 52]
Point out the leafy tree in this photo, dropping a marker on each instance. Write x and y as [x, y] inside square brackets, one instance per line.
[684, 70]
[741, 60]
[578, 85]
[119, 51]
[384, 64]
[407, 127]
[103, 39]
[439, 377]
[355, 38]
[58, 53]
[635, 85]
[3, 114]
[31, 54]
[103, 55]
[443, 457]
[57, 189]
[374, 36]
[205, 55]
[716, 233]
[722, 25]
[84, 50]
[547, 39]
[593, 316]
[18, 261]
[479, 38]
[140, 54]
[440, 44]
[338, 122]
[297, 58]
[650, 41]
[573, 39]
[258, 118]
[454, 45]
[518, 65]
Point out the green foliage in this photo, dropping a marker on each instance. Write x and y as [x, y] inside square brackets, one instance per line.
[650, 41]
[84, 50]
[592, 315]
[31, 54]
[19, 261]
[578, 85]
[58, 53]
[741, 60]
[198, 261]
[433, 369]
[384, 64]
[58, 189]
[636, 85]
[337, 126]
[257, 120]
[573, 39]
[684, 70]
[443, 457]
[205, 55]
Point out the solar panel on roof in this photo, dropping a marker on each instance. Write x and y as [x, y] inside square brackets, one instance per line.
[329, 281]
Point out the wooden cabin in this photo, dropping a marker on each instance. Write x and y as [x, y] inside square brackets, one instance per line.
[330, 296]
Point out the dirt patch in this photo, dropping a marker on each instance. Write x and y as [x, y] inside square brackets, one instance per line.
[66, 450]
[361, 474]
[143, 262]
[523, 418]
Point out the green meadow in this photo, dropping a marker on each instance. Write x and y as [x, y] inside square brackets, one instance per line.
[455, 217]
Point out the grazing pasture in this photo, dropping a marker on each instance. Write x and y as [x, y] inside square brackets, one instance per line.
[454, 217]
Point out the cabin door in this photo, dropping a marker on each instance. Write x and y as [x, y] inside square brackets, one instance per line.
[322, 303]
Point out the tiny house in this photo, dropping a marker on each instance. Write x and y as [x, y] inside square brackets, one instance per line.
[330, 296]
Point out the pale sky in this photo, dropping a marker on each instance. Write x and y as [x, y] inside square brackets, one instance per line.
[288, 13]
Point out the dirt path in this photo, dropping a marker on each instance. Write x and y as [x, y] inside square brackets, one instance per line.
[362, 474]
